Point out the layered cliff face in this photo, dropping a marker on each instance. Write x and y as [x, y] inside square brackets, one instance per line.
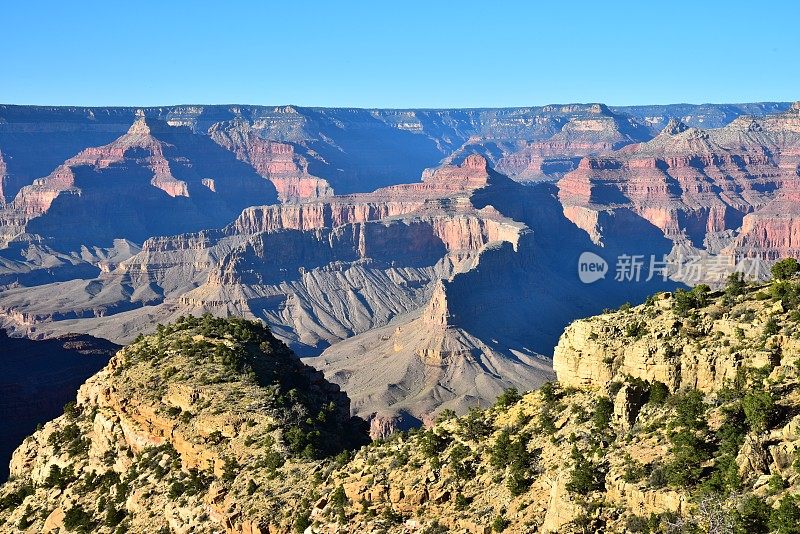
[155, 179]
[679, 413]
[693, 184]
[275, 161]
[307, 268]
[562, 135]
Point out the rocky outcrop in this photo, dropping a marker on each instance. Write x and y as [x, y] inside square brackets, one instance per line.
[595, 352]
[38, 378]
[174, 439]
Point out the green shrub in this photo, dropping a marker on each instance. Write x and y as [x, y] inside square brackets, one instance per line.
[76, 519]
[445, 415]
[431, 444]
[632, 470]
[474, 425]
[500, 523]
[690, 410]
[785, 269]
[499, 453]
[509, 397]
[339, 501]
[785, 519]
[435, 528]
[635, 329]
[635, 523]
[548, 391]
[659, 393]
[685, 301]
[13, 499]
[689, 448]
[113, 515]
[546, 422]
[603, 411]
[71, 409]
[752, 515]
[735, 285]
[585, 476]
[58, 477]
[759, 406]
[460, 461]
[302, 521]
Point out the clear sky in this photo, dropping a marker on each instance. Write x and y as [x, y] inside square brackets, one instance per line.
[406, 53]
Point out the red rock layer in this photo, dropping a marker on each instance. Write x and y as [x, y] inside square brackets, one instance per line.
[273, 160]
[36, 199]
[770, 233]
[441, 199]
[690, 182]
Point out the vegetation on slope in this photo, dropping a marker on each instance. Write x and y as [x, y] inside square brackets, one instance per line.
[679, 415]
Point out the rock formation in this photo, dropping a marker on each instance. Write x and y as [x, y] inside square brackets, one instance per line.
[153, 180]
[676, 413]
[694, 185]
[167, 400]
[275, 161]
[420, 364]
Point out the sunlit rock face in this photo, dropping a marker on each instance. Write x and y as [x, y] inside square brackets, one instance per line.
[155, 179]
[693, 184]
[344, 229]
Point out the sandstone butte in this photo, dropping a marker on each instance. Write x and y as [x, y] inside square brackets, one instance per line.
[731, 190]
[133, 186]
[210, 425]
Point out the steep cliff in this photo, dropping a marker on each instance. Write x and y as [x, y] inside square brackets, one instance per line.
[694, 184]
[275, 161]
[153, 180]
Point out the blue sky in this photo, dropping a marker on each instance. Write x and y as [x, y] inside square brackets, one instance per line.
[398, 54]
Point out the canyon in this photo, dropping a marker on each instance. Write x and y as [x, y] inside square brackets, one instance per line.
[423, 260]
[212, 425]
[39, 378]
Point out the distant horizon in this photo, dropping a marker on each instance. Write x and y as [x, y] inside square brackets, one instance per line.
[410, 55]
[392, 108]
